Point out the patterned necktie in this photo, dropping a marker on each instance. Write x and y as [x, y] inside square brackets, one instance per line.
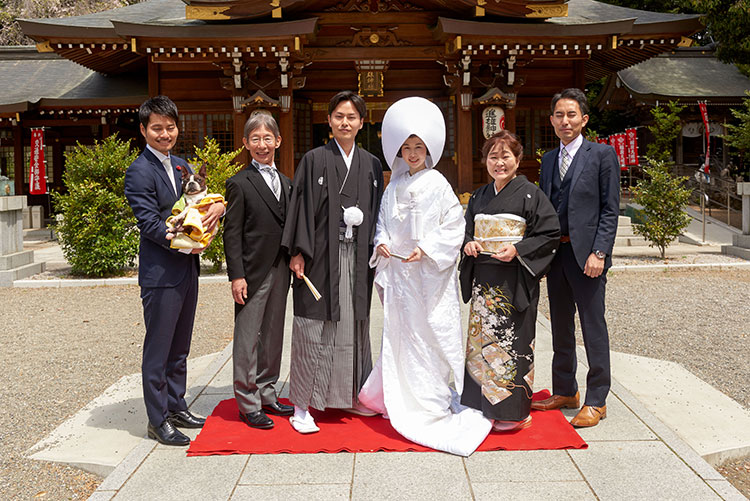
[564, 162]
[170, 172]
[270, 171]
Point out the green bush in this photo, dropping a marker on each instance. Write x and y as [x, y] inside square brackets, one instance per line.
[96, 228]
[219, 168]
[663, 197]
[666, 129]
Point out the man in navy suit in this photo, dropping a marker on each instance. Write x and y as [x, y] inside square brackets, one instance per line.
[258, 197]
[582, 180]
[168, 278]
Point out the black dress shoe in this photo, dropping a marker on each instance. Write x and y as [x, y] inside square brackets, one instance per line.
[167, 434]
[257, 419]
[278, 409]
[184, 419]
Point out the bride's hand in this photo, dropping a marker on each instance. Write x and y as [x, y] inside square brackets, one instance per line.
[416, 255]
[382, 250]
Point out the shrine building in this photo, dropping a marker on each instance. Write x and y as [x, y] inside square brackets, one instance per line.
[485, 63]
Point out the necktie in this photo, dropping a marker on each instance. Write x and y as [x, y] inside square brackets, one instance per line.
[564, 162]
[170, 173]
[271, 172]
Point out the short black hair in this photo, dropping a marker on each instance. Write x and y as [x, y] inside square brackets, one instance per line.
[347, 95]
[572, 93]
[161, 105]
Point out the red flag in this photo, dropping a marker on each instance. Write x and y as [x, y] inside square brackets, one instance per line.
[37, 181]
[704, 115]
[618, 142]
[632, 146]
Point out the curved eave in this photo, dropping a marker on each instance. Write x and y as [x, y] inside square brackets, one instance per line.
[685, 26]
[447, 27]
[40, 30]
[212, 31]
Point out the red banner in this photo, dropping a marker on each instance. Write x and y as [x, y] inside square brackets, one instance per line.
[618, 142]
[704, 115]
[37, 181]
[601, 140]
[632, 146]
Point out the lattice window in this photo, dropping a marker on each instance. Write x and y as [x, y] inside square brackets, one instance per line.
[449, 113]
[544, 133]
[194, 127]
[48, 164]
[7, 162]
[303, 130]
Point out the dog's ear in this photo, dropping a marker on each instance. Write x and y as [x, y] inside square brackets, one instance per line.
[186, 171]
[202, 172]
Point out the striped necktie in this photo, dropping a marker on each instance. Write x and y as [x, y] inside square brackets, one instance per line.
[271, 172]
[564, 162]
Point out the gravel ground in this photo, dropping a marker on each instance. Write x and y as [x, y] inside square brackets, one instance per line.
[63, 347]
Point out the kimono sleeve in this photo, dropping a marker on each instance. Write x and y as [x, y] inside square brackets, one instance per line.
[443, 243]
[299, 227]
[537, 249]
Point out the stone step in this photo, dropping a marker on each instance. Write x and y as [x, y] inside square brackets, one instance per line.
[630, 241]
[16, 259]
[7, 277]
[733, 250]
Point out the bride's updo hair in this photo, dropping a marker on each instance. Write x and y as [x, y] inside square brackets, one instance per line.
[508, 139]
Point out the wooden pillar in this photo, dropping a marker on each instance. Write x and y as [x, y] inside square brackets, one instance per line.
[18, 158]
[239, 128]
[464, 155]
[286, 151]
[153, 78]
[510, 119]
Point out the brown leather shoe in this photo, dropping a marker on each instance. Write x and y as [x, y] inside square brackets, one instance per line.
[589, 416]
[556, 402]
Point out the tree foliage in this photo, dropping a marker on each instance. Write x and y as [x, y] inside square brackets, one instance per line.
[96, 228]
[11, 10]
[738, 135]
[219, 167]
[666, 128]
[663, 197]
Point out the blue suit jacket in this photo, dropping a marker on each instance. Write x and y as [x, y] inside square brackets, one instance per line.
[150, 195]
[593, 198]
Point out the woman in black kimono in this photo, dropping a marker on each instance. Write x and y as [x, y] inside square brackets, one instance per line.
[512, 232]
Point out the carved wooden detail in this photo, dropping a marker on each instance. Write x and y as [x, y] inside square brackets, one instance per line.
[374, 37]
[546, 11]
[373, 6]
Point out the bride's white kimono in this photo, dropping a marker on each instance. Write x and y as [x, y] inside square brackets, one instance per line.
[422, 335]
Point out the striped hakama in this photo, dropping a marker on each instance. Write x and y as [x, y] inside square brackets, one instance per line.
[331, 360]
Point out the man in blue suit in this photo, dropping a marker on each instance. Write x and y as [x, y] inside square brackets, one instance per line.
[168, 278]
[582, 180]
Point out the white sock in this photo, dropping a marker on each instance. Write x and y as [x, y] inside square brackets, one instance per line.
[303, 415]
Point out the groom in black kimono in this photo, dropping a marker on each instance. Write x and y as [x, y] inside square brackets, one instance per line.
[329, 230]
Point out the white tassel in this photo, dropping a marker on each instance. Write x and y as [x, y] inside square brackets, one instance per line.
[352, 217]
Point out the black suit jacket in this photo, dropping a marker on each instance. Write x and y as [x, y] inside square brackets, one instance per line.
[593, 198]
[151, 196]
[253, 226]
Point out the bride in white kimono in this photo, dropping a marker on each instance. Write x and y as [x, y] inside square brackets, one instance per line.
[418, 238]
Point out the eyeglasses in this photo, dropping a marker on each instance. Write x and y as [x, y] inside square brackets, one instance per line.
[268, 140]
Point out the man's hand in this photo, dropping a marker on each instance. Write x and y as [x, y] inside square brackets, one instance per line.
[416, 255]
[201, 249]
[472, 248]
[297, 265]
[594, 266]
[383, 250]
[239, 290]
[212, 216]
[506, 253]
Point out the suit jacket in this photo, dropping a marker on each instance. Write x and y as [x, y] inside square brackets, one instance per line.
[151, 196]
[253, 226]
[593, 198]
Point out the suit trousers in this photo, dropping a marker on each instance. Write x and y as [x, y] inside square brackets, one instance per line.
[168, 313]
[569, 289]
[259, 339]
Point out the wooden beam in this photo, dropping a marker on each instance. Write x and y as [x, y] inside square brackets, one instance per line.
[239, 128]
[18, 158]
[464, 155]
[286, 124]
[153, 78]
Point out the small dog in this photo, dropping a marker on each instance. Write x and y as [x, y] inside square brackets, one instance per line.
[193, 191]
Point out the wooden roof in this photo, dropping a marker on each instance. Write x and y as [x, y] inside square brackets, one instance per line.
[608, 38]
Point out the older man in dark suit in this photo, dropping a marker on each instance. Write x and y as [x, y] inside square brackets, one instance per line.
[582, 180]
[258, 268]
[168, 278]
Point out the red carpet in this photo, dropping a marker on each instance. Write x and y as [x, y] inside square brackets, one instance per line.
[225, 434]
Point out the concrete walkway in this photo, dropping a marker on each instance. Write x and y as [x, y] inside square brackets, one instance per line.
[632, 455]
